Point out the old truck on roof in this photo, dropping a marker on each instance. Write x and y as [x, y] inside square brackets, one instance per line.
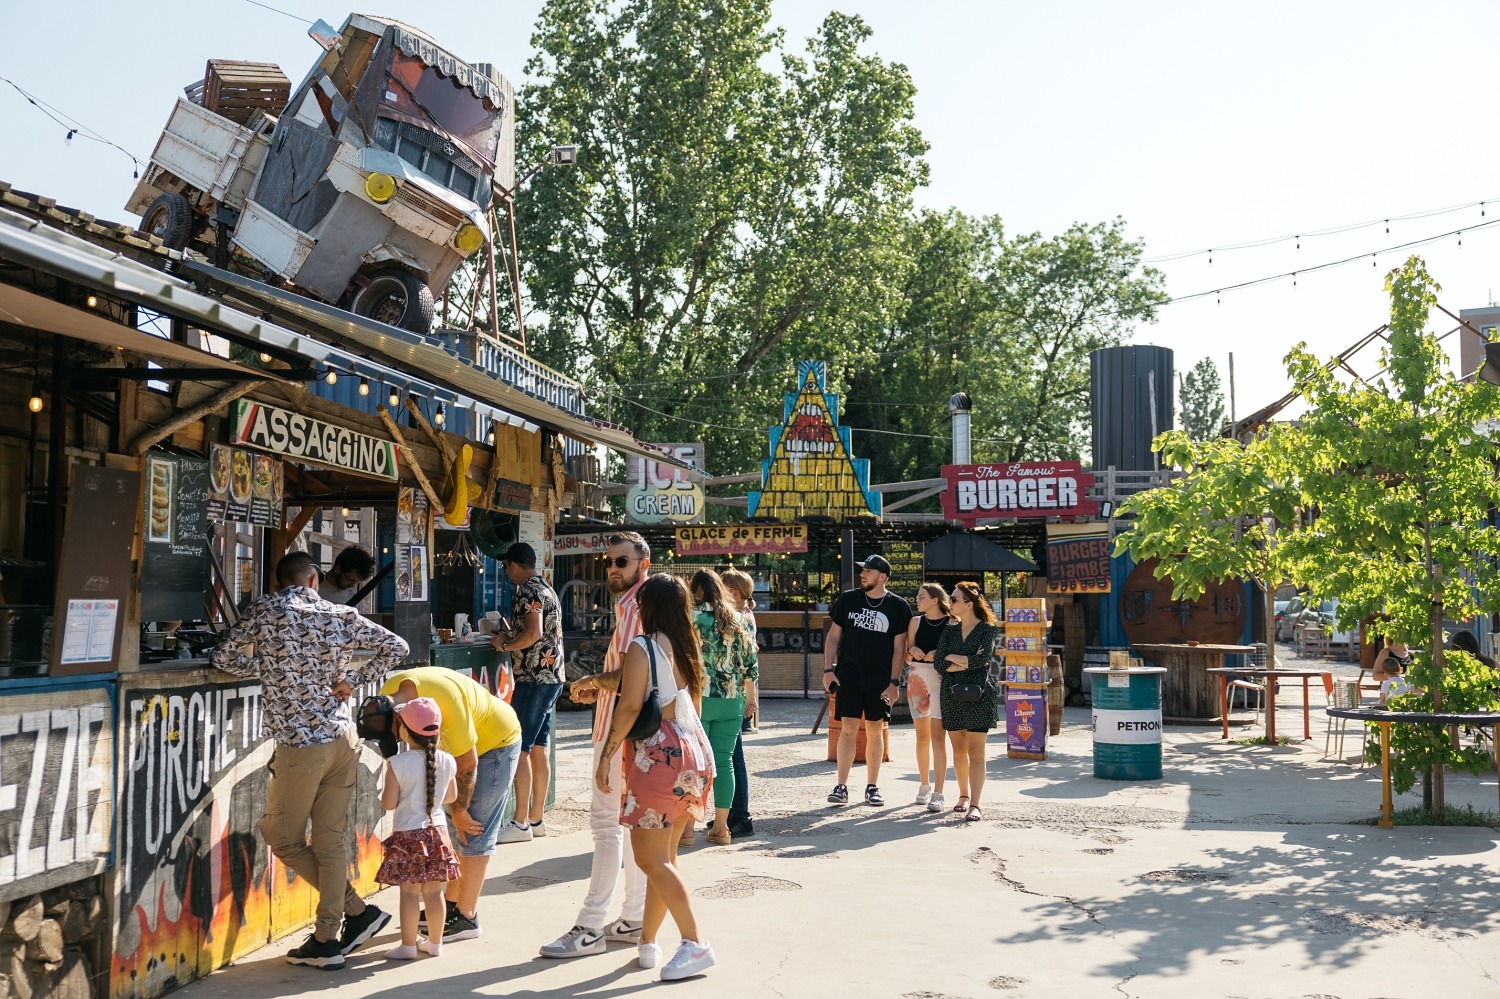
[365, 188]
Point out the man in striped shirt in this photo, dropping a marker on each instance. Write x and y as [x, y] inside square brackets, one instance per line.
[628, 558]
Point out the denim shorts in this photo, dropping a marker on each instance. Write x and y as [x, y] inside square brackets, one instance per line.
[492, 781]
[533, 705]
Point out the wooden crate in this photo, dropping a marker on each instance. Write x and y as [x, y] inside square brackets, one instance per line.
[237, 90]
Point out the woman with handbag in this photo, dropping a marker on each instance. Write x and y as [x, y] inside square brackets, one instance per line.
[922, 689]
[668, 764]
[970, 700]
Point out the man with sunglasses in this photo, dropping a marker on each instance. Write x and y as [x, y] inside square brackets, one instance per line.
[627, 560]
[484, 736]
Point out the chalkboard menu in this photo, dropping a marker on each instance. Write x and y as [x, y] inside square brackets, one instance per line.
[173, 555]
[908, 567]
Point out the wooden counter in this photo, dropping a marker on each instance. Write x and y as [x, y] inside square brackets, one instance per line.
[1189, 690]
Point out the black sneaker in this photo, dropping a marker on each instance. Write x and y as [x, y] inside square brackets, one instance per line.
[742, 829]
[359, 929]
[839, 795]
[873, 796]
[450, 907]
[460, 927]
[326, 954]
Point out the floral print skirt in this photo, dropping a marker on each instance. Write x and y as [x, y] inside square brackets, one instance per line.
[417, 856]
[667, 776]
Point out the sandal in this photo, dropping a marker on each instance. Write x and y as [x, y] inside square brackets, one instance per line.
[963, 803]
[719, 837]
[974, 814]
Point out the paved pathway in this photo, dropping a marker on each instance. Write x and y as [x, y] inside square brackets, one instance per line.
[1246, 871]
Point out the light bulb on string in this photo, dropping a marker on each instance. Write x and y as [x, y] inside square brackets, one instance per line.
[1481, 209]
[1299, 244]
[393, 399]
[35, 402]
[92, 301]
[68, 140]
[1294, 279]
[344, 511]
[1372, 260]
[331, 377]
[1210, 258]
[265, 358]
[490, 437]
[1218, 300]
[1387, 227]
[364, 386]
[438, 417]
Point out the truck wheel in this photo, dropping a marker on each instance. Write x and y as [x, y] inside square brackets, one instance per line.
[170, 218]
[396, 297]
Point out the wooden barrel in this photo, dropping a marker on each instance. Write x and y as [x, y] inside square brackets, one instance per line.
[1056, 694]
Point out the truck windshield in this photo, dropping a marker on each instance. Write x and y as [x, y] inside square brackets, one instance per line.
[419, 91]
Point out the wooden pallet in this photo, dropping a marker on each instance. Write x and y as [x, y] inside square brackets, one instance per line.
[237, 90]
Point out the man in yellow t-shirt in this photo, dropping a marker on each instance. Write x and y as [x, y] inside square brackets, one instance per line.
[484, 736]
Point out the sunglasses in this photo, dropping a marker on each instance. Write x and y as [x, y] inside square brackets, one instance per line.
[622, 561]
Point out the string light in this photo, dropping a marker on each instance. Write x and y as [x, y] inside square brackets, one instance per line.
[394, 399]
[92, 301]
[35, 402]
[265, 358]
[331, 377]
[438, 417]
[490, 437]
[74, 126]
[364, 386]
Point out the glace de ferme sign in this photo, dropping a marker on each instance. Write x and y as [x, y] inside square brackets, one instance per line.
[1017, 489]
[305, 438]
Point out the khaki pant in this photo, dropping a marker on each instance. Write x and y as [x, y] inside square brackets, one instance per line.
[315, 783]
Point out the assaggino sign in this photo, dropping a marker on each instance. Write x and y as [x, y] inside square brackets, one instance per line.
[307, 439]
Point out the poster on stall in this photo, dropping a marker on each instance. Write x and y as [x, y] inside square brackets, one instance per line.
[411, 516]
[244, 487]
[1077, 558]
[89, 631]
[1026, 722]
[420, 567]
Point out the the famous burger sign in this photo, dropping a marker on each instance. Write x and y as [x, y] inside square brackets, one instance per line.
[1017, 489]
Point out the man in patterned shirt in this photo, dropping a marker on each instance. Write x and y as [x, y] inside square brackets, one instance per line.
[300, 646]
[628, 558]
[536, 659]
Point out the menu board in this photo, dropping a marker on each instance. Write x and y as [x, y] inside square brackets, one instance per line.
[908, 568]
[173, 561]
[97, 568]
[412, 565]
[245, 487]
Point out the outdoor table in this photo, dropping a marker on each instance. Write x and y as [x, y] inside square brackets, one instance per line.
[1188, 691]
[1385, 719]
[1225, 675]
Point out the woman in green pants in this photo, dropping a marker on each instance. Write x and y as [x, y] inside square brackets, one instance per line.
[730, 660]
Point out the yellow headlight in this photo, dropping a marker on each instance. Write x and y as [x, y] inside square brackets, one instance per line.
[381, 187]
[468, 239]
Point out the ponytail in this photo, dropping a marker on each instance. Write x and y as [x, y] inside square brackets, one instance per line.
[431, 750]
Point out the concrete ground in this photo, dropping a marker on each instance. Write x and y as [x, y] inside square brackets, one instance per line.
[1245, 872]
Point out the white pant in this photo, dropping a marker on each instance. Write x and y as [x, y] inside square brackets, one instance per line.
[610, 848]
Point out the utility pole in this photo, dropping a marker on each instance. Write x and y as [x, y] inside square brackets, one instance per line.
[1231, 388]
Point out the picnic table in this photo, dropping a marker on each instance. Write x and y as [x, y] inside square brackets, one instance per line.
[1228, 674]
[1187, 689]
[1385, 719]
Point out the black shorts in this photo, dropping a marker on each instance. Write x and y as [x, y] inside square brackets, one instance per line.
[859, 692]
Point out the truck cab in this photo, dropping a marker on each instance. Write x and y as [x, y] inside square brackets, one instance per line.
[366, 190]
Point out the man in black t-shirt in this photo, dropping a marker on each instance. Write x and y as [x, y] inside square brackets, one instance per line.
[867, 641]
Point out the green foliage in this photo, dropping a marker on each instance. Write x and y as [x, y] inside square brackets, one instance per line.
[1467, 685]
[1453, 815]
[739, 205]
[1202, 401]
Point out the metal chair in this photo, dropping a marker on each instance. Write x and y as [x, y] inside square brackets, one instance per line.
[1342, 694]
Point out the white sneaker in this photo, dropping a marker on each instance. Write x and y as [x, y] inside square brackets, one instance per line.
[647, 955]
[935, 803]
[514, 833]
[580, 941]
[923, 793]
[539, 829]
[691, 959]
[623, 930]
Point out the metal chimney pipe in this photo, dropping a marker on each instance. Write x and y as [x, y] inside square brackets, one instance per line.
[960, 405]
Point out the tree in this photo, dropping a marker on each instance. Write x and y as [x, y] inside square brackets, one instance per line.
[1202, 401]
[724, 219]
[1381, 493]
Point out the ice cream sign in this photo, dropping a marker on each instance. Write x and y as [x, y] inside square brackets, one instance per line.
[660, 493]
[1017, 489]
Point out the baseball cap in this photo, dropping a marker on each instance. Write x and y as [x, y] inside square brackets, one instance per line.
[422, 715]
[520, 553]
[878, 563]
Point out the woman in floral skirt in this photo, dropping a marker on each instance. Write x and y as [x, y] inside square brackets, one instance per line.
[669, 774]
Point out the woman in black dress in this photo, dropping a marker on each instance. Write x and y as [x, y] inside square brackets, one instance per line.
[970, 699]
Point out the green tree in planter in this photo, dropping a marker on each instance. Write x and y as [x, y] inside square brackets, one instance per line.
[1398, 473]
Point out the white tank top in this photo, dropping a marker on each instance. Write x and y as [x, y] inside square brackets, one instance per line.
[410, 768]
[666, 676]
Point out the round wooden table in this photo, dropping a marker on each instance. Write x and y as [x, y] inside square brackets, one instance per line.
[1269, 694]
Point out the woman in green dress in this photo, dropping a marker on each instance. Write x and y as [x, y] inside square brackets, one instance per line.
[970, 699]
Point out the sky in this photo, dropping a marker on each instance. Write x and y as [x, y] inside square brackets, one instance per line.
[1203, 125]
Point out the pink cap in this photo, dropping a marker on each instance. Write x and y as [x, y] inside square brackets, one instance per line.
[422, 715]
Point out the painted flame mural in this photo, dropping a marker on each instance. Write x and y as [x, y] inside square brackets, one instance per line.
[195, 886]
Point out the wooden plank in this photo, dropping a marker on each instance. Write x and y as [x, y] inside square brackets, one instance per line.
[146, 439]
[405, 449]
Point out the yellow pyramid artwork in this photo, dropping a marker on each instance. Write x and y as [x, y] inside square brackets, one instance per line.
[811, 471]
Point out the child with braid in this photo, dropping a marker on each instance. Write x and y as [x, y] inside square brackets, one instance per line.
[418, 856]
